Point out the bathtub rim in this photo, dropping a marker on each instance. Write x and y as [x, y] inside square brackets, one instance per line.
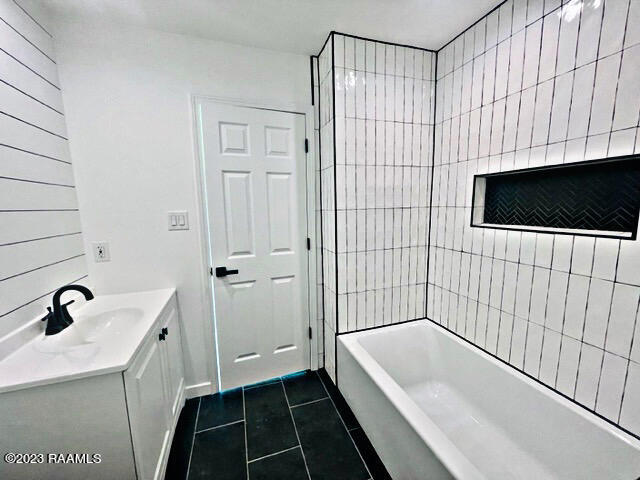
[442, 447]
[446, 451]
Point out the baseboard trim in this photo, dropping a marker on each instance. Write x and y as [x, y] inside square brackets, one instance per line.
[199, 389]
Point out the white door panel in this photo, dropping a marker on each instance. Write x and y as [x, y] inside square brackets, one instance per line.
[255, 177]
[238, 209]
[280, 191]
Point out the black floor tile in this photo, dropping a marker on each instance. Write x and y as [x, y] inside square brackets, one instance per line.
[220, 409]
[269, 425]
[345, 412]
[178, 462]
[303, 387]
[371, 458]
[287, 465]
[327, 447]
[219, 454]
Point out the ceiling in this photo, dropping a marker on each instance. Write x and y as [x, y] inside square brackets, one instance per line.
[297, 26]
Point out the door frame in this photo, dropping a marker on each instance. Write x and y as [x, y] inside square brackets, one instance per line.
[202, 218]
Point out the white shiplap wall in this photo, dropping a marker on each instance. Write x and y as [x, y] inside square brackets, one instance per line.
[41, 245]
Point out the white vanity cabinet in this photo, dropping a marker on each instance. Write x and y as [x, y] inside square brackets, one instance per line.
[122, 404]
[174, 365]
[154, 385]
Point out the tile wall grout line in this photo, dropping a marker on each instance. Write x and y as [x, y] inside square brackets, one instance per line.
[542, 267]
[603, 349]
[586, 310]
[615, 96]
[455, 213]
[629, 363]
[606, 333]
[546, 310]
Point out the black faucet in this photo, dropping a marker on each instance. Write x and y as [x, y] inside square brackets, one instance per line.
[59, 319]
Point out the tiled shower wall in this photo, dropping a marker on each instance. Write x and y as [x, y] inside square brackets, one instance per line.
[327, 181]
[383, 141]
[376, 189]
[538, 83]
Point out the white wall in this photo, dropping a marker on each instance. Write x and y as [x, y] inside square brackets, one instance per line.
[40, 234]
[127, 93]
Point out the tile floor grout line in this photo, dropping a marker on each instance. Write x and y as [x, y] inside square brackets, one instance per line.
[193, 438]
[295, 428]
[334, 404]
[308, 403]
[246, 442]
[345, 427]
[218, 426]
[274, 454]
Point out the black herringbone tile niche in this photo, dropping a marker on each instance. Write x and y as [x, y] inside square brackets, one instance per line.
[600, 195]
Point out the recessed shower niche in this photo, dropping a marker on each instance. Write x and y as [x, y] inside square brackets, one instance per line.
[597, 198]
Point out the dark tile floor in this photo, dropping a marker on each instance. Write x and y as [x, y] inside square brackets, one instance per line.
[294, 427]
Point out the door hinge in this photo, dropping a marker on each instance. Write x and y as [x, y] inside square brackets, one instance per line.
[306, 145]
[310, 333]
[308, 244]
[211, 271]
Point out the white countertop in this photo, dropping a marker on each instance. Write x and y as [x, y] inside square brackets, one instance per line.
[100, 350]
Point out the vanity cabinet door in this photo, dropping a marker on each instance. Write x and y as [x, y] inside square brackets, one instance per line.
[148, 413]
[172, 350]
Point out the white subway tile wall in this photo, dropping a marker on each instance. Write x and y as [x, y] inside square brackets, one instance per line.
[557, 83]
[376, 189]
[384, 136]
[41, 245]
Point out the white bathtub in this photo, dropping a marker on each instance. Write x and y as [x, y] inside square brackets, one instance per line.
[435, 407]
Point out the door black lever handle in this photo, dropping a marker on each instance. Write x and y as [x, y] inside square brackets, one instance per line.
[223, 272]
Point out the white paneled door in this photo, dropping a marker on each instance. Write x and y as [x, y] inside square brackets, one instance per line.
[255, 178]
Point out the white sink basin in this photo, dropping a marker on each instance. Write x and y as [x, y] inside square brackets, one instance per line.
[67, 340]
[112, 322]
[79, 339]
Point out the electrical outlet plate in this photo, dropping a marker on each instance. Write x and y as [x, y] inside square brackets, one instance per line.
[101, 252]
[178, 220]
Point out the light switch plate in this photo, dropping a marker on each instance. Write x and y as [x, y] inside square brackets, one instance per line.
[101, 252]
[178, 220]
